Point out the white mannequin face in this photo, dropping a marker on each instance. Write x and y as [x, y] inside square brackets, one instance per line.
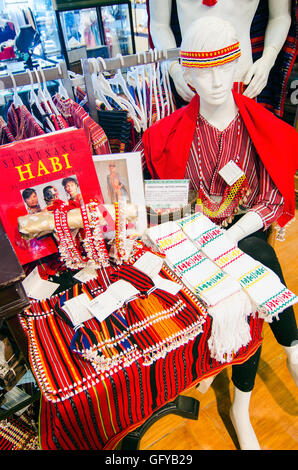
[213, 84]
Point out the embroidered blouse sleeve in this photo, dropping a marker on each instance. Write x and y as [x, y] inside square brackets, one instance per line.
[269, 202]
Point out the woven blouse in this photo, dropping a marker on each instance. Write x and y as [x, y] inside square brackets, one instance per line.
[217, 148]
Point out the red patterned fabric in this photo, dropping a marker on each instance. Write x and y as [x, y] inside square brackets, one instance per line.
[82, 409]
[75, 115]
[212, 149]
[22, 124]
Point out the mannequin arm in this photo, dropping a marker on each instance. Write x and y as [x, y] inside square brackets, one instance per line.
[275, 36]
[160, 28]
[163, 38]
[249, 223]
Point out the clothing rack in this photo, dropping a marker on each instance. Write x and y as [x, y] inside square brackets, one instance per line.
[120, 62]
[58, 72]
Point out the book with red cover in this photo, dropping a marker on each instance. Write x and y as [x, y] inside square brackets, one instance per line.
[33, 168]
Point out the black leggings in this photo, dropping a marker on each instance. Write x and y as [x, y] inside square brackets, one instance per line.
[284, 329]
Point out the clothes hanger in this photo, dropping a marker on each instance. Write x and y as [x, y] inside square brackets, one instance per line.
[96, 81]
[33, 98]
[47, 93]
[17, 101]
[103, 85]
[143, 69]
[61, 89]
[118, 79]
[158, 83]
[153, 88]
[164, 80]
[141, 88]
[42, 99]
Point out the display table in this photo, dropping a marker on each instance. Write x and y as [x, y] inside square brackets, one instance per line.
[82, 409]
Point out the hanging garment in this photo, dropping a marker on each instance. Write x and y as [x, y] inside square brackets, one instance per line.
[117, 127]
[21, 123]
[5, 135]
[75, 115]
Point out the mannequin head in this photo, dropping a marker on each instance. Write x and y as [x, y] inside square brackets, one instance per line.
[214, 83]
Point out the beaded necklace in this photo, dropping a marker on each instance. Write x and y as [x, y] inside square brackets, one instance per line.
[224, 211]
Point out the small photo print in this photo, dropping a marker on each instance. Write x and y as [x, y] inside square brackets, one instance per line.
[38, 198]
[114, 183]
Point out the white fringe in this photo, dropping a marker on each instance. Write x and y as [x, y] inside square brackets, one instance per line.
[230, 329]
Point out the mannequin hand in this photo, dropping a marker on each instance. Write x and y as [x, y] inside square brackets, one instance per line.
[181, 86]
[249, 223]
[257, 76]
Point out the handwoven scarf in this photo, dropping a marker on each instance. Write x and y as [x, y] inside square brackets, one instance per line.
[217, 289]
[264, 288]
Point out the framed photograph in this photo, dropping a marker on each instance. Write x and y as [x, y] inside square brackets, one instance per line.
[120, 177]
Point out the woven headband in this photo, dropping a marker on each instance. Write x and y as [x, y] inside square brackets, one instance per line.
[212, 58]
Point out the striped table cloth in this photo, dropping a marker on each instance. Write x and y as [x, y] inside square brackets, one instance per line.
[83, 409]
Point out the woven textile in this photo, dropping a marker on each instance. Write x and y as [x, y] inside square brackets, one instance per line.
[75, 115]
[15, 434]
[82, 409]
[268, 295]
[227, 303]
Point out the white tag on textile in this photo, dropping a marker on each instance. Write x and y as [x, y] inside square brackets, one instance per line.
[77, 309]
[151, 264]
[231, 173]
[165, 284]
[38, 288]
[112, 299]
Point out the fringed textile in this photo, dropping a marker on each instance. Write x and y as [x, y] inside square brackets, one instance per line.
[83, 410]
[268, 294]
[227, 304]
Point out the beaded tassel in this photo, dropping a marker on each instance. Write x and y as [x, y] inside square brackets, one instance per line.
[67, 248]
[94, 241]
[120, 231]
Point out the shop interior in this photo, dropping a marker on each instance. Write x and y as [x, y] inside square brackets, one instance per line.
[88, 65]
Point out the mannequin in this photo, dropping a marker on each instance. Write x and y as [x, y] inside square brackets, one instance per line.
[171, 143]
[240, 13]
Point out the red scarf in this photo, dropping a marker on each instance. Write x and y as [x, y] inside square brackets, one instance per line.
[167, 145]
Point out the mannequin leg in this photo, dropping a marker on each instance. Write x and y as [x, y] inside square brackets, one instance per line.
[203, 386]
[284, 328]
[239, 414]
[243, 378]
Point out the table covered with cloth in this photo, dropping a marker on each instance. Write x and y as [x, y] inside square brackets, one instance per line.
[143, 356]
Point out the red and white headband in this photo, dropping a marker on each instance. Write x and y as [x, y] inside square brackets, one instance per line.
[212, 58]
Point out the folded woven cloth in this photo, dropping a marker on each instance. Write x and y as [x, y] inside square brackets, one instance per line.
[269, 296]
[227, 303]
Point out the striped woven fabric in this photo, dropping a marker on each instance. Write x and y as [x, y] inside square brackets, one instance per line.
[82, 409]
[15, 434]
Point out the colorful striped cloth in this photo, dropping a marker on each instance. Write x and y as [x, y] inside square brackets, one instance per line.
[267, 293]
[15, 434]
[227, 303]
[82, 409]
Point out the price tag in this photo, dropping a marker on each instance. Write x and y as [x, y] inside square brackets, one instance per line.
[231, 173]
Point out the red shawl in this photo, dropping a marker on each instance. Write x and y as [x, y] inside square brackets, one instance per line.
[167, 145]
